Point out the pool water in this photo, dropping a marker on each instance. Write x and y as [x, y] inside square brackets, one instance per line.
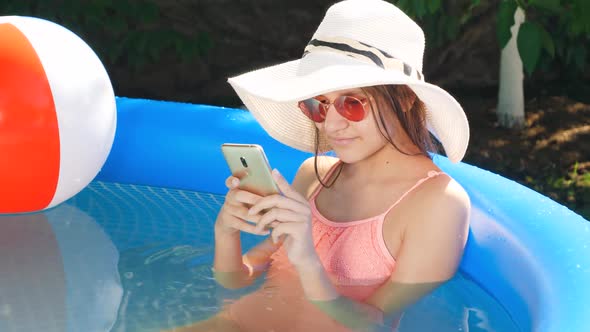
[122, 257]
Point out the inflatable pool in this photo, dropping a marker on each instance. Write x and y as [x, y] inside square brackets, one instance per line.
[530, 253]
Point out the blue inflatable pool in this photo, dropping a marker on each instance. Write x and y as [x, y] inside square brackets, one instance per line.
[530, 253]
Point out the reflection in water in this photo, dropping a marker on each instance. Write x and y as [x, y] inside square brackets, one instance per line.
[459, 305]
[58, 273]
[476, 320]
[163, 289]
[32, 280]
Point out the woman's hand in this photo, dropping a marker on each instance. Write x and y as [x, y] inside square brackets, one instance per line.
[233, 216]
[289, 216]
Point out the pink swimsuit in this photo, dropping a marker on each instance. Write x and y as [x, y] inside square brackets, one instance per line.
[354, 256]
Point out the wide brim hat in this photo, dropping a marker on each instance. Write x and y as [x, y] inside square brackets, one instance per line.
[359, 43]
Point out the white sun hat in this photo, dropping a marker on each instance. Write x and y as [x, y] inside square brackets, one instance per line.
[358, 43]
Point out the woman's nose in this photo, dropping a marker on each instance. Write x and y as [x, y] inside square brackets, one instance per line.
[333, 120]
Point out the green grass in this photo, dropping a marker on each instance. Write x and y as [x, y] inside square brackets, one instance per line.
[571, 190]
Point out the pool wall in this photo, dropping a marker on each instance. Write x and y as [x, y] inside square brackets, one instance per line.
[531, 253]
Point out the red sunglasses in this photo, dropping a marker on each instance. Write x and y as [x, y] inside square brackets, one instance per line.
[351, 108]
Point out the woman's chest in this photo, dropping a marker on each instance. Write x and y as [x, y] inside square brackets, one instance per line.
[353, 255]
[388, 222]
[350, 206]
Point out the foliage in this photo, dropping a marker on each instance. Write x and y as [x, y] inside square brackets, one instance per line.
[560, 27]
[121, 31]
[571, 190]
[440, 22]
[555, 34]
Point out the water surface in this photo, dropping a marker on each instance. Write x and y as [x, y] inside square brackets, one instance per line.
[136, 258]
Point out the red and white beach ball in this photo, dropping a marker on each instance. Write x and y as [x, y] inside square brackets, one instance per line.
[57, 114]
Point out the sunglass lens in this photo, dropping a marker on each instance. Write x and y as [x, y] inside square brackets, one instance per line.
[350, 107]
[313, 109]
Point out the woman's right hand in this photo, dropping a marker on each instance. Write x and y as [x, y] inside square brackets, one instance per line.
[233, 216]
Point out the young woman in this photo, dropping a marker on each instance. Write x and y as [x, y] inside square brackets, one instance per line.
[354, 239]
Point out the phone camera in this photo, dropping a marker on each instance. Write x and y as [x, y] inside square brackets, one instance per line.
[243, 160]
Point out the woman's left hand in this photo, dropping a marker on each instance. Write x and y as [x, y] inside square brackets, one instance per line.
[289, 216]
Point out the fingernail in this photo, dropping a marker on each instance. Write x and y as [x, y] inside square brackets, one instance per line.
[276, 173]
[250, 212]
[235, 182]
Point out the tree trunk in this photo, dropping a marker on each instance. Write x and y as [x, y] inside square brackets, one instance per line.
[511, 96]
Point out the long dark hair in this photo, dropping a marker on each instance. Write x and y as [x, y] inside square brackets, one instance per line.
[393, 102]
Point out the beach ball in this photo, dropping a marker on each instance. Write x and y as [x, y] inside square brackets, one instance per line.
[57, 114]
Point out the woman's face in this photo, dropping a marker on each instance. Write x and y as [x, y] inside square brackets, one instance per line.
[351, 141]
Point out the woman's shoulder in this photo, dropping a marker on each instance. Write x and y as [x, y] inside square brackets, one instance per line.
[306, 178]
[444, 197]
[445, 186]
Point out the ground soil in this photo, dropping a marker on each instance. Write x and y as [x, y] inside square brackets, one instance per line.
[550, 155]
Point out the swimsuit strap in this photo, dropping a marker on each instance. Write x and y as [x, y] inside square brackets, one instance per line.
[430, 175]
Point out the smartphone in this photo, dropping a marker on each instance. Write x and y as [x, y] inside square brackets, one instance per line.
[248, 163]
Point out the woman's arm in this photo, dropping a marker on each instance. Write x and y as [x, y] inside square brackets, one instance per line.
[231, 269]
[430, 253]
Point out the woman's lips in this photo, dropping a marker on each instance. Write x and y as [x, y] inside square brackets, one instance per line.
[341, 141]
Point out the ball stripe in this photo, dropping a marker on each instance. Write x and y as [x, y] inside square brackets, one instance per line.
[29, 137]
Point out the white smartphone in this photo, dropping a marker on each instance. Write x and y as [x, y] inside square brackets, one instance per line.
[248, 162]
